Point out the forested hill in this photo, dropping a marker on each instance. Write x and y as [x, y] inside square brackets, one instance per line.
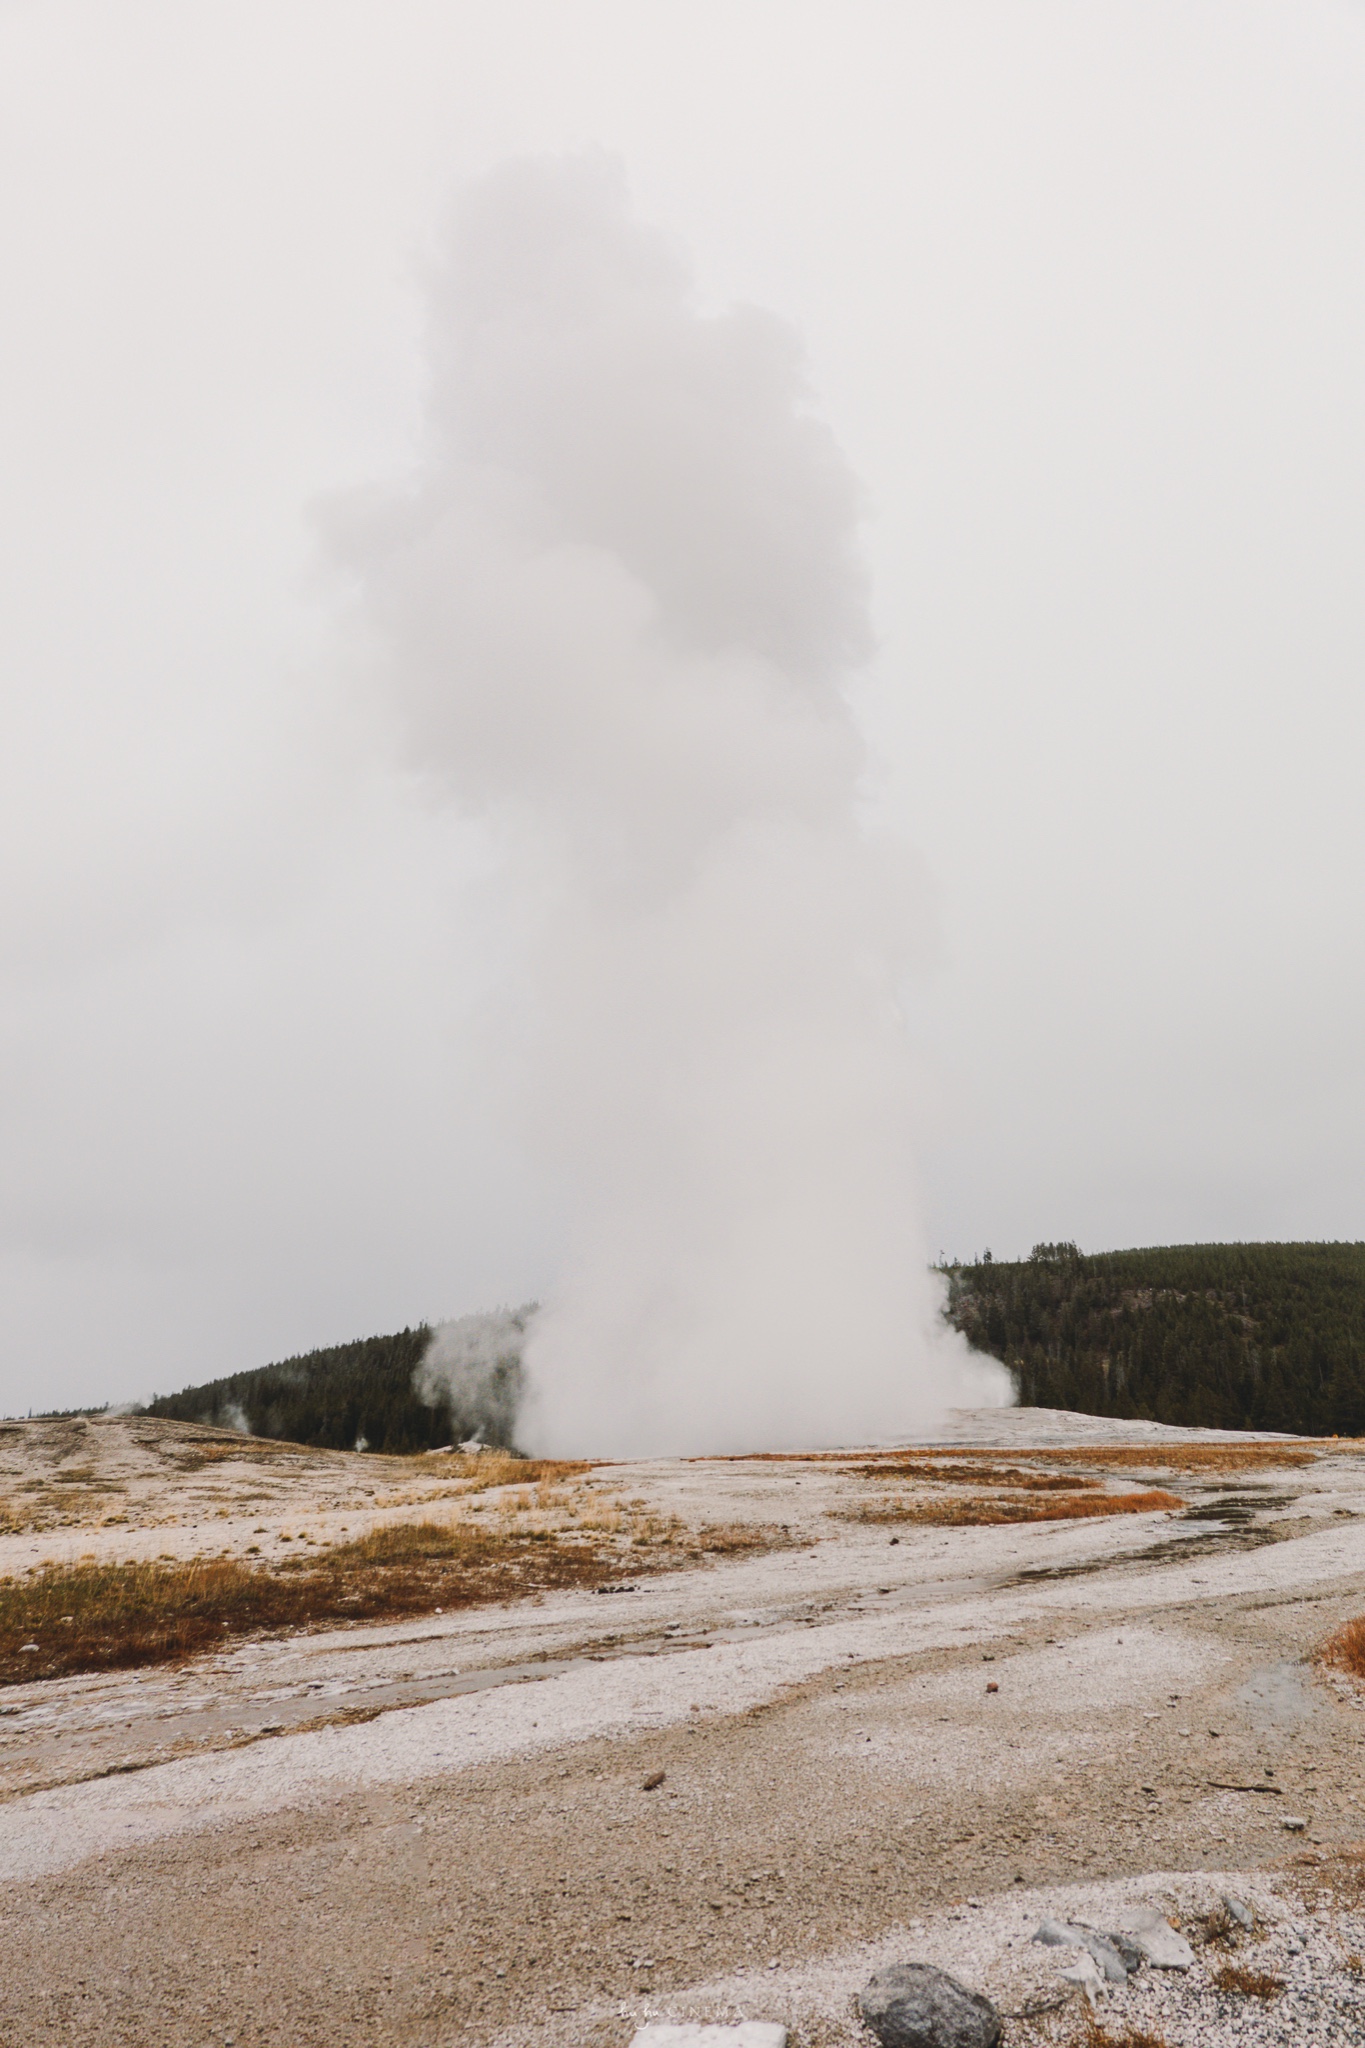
[1227, 1336]
[351, 1396]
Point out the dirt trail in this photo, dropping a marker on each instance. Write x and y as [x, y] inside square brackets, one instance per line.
[439, 1832]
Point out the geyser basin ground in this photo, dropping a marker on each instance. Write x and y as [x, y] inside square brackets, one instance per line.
[438, 1831]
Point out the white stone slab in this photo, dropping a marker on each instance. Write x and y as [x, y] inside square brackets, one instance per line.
[1088, 1974]
[690, 2034]
[1163, 1945]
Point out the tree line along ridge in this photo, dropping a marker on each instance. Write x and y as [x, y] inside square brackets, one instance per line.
[1224, 1336]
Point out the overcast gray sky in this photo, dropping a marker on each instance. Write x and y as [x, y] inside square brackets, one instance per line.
[1082, 289]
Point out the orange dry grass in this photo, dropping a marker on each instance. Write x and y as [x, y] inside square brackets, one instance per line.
[1249, 1983]
[500, 1468]
[1097, 2035]
[981, 1475]
[91, 1617]
[1174, 1457]
[1346, 1649]
[1183, 1457]
[1199, 1457]
[983, 1509]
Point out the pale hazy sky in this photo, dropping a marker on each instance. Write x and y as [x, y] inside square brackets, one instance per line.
[1083, 294]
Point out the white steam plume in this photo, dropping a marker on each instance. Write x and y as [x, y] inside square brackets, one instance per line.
[473, 1368]
[617, 608]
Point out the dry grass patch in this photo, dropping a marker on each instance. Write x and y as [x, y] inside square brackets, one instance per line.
[1345, 1651]
[1174, 1457]
[1097, 2035]
[981, 1475]
[62, 1619]
[736, 1539]
[1248, 1983]
[453, 1478]
[91, 1617]
[500, 1468]
[987, 1510]
[1215, 1929]
[1186, 1457]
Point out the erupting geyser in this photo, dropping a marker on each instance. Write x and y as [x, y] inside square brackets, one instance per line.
[617, 607]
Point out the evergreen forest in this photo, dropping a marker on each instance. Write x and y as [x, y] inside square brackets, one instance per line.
[1225, 1336]
[351, 1397]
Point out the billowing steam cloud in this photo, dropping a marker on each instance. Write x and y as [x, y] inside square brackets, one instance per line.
[473, 1368]
[616, 610]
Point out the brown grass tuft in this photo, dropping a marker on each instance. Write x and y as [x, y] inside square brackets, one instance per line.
[1345, 1651]
[736, 1539]
[1248, 1983]
[1097, 2035]
[982, 1510]
[1214, 1929]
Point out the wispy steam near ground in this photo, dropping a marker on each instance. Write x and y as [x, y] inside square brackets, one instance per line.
[616, 610]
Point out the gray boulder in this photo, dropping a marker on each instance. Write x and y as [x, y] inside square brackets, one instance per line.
[913, 2005]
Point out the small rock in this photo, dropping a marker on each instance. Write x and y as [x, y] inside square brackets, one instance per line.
[913, 2005]
[1088, 1975]
[1243, 1915]
[748, 2034]
[1130, 1955]
[653, 1782]
[1102, 1951]
[1057, 1934]
[28, 1649]
[992, 1686]
[1164, 1947]
[1295, 1822]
